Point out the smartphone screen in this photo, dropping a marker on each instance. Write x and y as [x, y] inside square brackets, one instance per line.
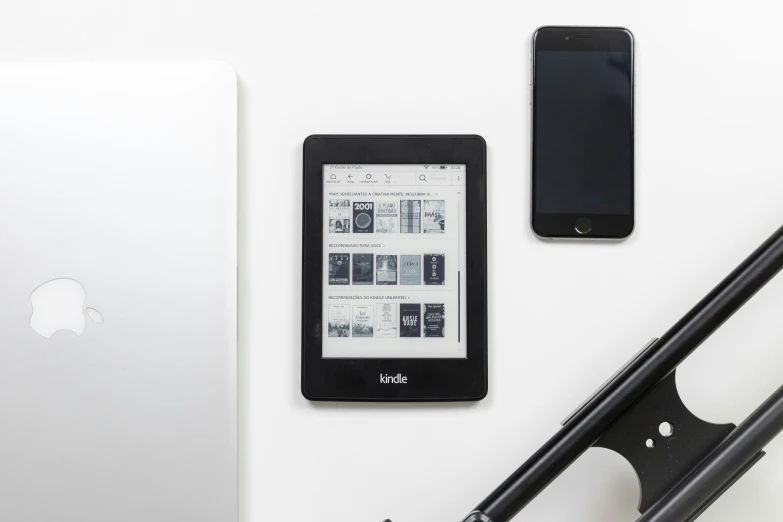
[583, 175]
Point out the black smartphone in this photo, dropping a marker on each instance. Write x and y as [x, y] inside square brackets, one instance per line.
[582, 134]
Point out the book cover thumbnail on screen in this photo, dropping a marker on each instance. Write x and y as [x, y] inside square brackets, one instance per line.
[363, 325]
[386, 320]
[434, 221]
[386, 217]
[363, 269]
[434, 320]
[410, 216]
[363, 217]
[434, 269]
[410, 320]
[339, 216]
[339, 269]
[386, 266]
[339, 320]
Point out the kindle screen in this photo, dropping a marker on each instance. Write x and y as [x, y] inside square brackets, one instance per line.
[394, 261]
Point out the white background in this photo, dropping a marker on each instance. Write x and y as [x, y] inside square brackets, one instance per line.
[563, 316]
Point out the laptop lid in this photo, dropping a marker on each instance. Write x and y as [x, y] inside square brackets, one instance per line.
[118, 307]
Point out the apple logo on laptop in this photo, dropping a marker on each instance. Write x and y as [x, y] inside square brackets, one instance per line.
[59, 305]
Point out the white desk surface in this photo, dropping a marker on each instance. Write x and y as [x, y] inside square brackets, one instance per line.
[563, 317]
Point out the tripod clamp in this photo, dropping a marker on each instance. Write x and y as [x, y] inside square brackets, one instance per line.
[664, 441]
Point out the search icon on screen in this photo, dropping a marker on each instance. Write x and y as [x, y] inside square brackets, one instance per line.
[422, 177]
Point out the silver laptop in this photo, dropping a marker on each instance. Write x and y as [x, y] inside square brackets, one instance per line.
[118, 292]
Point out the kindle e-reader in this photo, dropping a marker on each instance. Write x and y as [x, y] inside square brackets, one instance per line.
[394, 268]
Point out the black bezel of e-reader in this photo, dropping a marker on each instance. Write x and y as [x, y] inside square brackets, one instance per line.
[343, 379]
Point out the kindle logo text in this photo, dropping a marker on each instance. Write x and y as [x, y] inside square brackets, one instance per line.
[397, 379]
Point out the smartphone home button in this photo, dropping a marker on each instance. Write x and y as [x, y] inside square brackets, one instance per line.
[583, 225]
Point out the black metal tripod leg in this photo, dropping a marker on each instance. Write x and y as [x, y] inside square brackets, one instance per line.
[592, 421]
